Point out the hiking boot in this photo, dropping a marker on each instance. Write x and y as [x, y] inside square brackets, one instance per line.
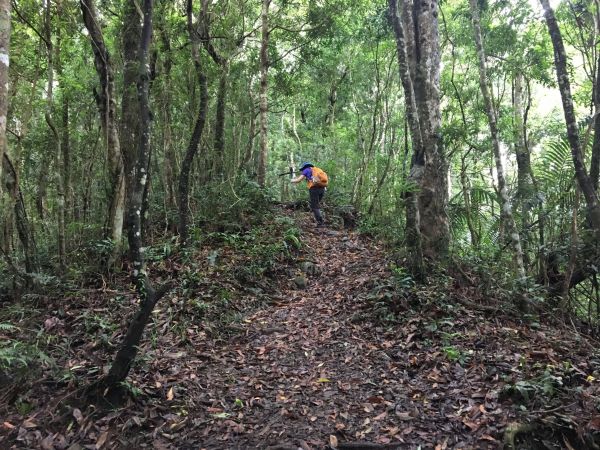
[321, 225]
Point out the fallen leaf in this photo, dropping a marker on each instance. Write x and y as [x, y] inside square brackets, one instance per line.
[101, 439]
[78, 416]
[8, 425]
[472, 425]
[333, 441]
[170, 394]
[404, 415]
[380, 416]
[28, 423]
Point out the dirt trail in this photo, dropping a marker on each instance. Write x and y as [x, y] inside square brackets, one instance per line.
[313, 371]
[302, 370]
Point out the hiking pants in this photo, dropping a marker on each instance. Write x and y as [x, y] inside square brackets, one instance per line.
[316, 195]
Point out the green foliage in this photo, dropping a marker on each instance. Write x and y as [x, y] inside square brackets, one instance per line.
[17, 356]
[537, 389]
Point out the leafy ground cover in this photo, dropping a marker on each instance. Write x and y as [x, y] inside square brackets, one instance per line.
[293, 337]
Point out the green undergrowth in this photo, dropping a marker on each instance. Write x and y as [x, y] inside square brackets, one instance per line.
[219, 277]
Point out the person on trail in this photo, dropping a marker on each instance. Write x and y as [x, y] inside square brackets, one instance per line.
[317, 181]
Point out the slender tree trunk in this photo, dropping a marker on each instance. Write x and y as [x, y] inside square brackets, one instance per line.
[467, 199]
[106, 101]
[186, 165]
[506, 212]
[264, 110]
[66, 157]
[62, 259]
[65, 137]
[5, 9]
[249, 153]
[170, 156]
[560, 61]
[148, 295]
[220, 120]
[129, 126]
[525, 188]
[383, 177]
[24, 230]
[595, 163]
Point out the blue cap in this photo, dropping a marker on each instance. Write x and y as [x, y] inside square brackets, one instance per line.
[305, 165]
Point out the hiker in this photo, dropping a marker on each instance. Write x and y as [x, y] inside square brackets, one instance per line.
[317, 182]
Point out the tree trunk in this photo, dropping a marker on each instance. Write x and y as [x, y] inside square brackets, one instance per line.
[264, 110]
[595, 163]
[10, 180]
[170, 156]
[129, 127]
[149, 296]
[219, 147]
[186, 165]
[560, 61]
[107, 107]
[5, 8]
[60, 191]
[506, 211]
[464, 180]
[383, 177]
[525, 187]
[417, 43]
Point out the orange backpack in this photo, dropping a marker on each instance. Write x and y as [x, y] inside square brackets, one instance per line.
[319, 178]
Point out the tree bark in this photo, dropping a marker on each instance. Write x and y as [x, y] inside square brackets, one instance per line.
[595, 163]
[129, 126]
[525, 189]
[264, 109]
[60, 191]
[560, 61]
[219, 147]
[417, 43]
[464, 180]
[506, 207]
[5, 9]
[148, 295]
[106, 101]
[24, 230]
[170, 156]
[186, 165]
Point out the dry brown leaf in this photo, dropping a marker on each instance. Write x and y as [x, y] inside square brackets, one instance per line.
[101, 440]
[333, 441]
[170, 394]
[380, 416]
[28, 423]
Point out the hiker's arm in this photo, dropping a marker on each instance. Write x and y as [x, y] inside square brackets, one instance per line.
[298, 179]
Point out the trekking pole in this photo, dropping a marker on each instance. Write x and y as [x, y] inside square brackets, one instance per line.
[290, 172]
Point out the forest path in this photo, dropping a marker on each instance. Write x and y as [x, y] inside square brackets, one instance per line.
[313, 371]
[360, 358]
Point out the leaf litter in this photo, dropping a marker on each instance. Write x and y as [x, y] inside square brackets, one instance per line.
[356, 359]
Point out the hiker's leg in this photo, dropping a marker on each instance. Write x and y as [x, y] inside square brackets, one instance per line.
[315, 196]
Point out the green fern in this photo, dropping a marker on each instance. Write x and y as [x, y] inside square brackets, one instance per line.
[555, 167]
[7, 327]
